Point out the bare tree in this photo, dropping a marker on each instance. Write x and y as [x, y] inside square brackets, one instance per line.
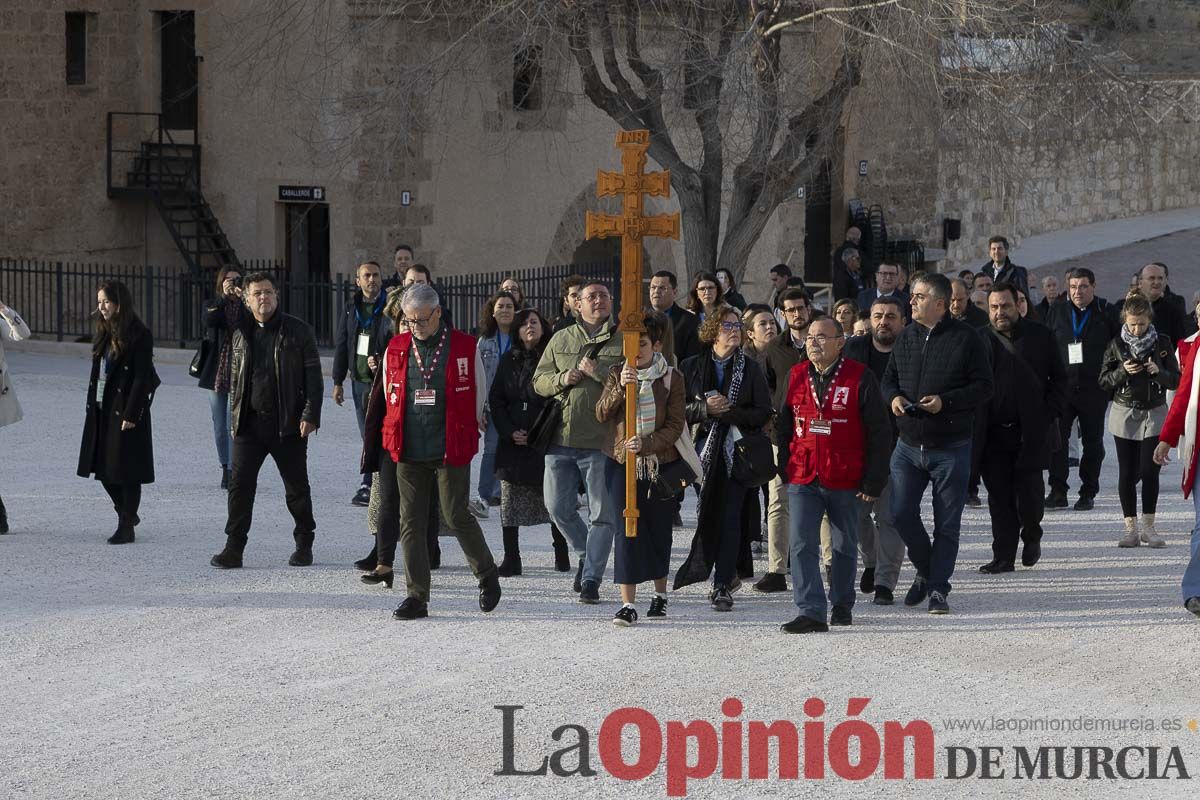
[743, 98]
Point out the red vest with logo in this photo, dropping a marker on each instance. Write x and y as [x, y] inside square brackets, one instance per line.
[462, 427]
[836, 458]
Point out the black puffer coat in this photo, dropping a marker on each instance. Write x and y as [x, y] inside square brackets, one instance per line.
[514, 406]
[950, 361]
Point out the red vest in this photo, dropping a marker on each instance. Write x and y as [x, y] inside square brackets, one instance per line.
[836, 457]
[462, 427]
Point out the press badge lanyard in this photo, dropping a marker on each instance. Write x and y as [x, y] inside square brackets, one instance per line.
[820, 424]
[427, 396]
[1077, 323]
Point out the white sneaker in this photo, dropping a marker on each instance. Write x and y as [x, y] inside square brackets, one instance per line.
[478, 508]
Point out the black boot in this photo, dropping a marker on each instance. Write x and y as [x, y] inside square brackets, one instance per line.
[562, 555]
[302, 557]
[510, 565]
[369, 563]
[124, 532]
[225, 478]
[3, 517]
[231, 556]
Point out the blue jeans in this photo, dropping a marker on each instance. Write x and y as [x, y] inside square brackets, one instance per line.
[218, 405]
[361, 392]
[489, 487]
[1191, 576]
[948, 469]
[565, 468]
[806, 504]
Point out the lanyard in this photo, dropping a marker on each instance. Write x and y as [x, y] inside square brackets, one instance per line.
[379, 303]
[427, 374]
[1076, 323]
[812, 387]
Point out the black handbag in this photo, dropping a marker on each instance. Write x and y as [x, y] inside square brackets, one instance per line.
[673, 478]
[753, 460]
[200, 359]
[549, 419]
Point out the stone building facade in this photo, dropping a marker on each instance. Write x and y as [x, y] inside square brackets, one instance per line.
[478, 184]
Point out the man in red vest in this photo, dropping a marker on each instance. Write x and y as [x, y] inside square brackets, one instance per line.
[834, 439]
[429, 432]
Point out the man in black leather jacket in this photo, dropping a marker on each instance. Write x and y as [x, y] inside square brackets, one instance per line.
[275, 403]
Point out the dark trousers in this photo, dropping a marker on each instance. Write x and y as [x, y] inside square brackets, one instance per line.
[126, 498]
[361, 391]
[1088, 407]
[1135, 462]
[1015, 499]
[729, 545]
[404, 493]
[259, 439]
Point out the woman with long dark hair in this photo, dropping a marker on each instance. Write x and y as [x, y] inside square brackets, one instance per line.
[725, 389]
[118, 443]
[729, 291]
[705, 296]
[514, 407]
[495, 339]
[222, 316]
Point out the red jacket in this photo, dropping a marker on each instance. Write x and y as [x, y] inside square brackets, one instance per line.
[460, 401]
[836, 458]
[1173, 426]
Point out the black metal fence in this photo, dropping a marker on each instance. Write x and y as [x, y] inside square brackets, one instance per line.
[58, 299]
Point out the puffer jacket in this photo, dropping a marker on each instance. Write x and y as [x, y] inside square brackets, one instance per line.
[563, 354]
[950, 361]
[298, 378]
[1141, 391]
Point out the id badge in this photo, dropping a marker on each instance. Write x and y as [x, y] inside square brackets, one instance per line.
[425, 397]
[820, 427]
[1075, 353]
[103, 379]
[364, 345]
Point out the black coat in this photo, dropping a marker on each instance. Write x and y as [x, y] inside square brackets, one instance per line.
[514, 406]
[113, 455]
[950, 361]
[1010, 273]
[844, 285]
[1141, 390]
[1030, 394]
[867, 297]
[685, 326]
[1102, 325]
[216, 331]
[345, 344]
[752, 412]
[298, 380]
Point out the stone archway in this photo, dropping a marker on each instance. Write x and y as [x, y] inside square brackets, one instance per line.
[570, 247]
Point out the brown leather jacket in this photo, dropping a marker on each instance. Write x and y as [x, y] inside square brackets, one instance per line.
[668, 417]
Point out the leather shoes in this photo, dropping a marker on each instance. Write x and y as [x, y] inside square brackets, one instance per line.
[770, 583]
[996, 566]
[122, 535]
[1055, 499]
[411, 608]
[227, 559]
[840, 615]
[489, 593]
[1031, 553]
[301, 557]
[803, 624]
[883, 596]
[1084, 504]
[866, 584]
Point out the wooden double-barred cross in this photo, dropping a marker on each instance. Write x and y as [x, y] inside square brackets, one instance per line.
[632, 184]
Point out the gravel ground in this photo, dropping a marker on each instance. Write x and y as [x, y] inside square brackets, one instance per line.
[140, 672]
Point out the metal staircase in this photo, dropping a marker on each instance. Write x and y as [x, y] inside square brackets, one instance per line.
[157, 167]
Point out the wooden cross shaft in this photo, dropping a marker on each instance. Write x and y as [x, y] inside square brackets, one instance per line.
[632, 185]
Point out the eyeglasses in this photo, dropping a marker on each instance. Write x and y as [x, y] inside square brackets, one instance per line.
[730, 327]
[418, 321]
[821, 338]
[794, 310]
[706, 287]
[596, 297]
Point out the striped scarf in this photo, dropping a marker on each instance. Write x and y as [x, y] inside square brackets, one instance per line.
[647, 412]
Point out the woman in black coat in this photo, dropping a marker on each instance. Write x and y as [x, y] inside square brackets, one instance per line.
[514, 406]
[724, 389]
[222, 316]
[118, 446]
